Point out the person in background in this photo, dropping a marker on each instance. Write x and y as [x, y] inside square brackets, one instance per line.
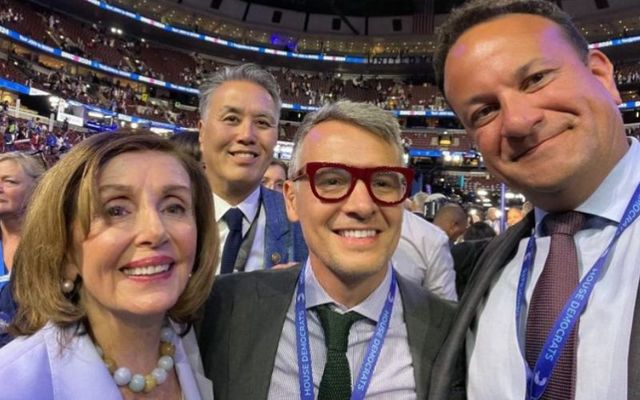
[452, 219]
[552, 310]
[423, 255]
[514, 215]
[418, 200]
[239, 114]
[315, 321]
[19, 175]
[275, 175]
[126, 255]
[466, 253]
[492, 218]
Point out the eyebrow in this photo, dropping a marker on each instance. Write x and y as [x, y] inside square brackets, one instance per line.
[520, 74]
[129, 189]
[238, 110]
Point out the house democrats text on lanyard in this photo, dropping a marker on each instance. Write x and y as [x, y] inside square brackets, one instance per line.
[538, 379]
[305, 374]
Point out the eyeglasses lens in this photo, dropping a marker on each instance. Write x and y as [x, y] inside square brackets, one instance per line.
[334, 183]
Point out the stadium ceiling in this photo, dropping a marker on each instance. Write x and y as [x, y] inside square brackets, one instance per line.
[361, 8]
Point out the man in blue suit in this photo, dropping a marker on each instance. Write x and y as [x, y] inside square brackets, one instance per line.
[239, 114]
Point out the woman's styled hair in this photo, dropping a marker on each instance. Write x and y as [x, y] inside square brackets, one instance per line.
[67, 196]
[29, 164]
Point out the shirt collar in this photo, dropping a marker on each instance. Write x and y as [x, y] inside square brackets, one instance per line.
[370, 308]
[611, 198]
[249, 206]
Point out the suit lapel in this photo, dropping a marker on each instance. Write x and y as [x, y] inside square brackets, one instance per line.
[258, 318]
[414, 317]
[495, 256]
[189, 369]
[277, 227]
[76, 359]
[424, 331]
[277, 223]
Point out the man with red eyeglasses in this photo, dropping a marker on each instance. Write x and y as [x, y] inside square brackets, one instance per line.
[344, 324]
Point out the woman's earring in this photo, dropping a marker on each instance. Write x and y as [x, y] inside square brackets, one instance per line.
[68, 286]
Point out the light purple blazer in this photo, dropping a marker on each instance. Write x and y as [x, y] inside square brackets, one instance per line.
[38, 367]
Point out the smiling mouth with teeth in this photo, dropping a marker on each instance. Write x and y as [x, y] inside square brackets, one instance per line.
[358, 234]
[244, 155]
[146, 271]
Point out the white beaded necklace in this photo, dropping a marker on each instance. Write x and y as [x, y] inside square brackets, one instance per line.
[145, 383]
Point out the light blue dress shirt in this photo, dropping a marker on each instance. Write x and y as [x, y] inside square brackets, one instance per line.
[393, 377]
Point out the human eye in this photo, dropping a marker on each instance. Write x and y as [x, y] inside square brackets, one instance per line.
[115, 211]
[231, 119]
[264, 123]
[534, 80]
[483, 114]
[332, 178]
[387, 181]
[175, 209]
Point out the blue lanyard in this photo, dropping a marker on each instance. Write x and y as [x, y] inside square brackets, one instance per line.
[305, 375]
[3, 268]
[538, 379]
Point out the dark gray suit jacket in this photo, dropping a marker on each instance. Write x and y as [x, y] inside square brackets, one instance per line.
[243, 320]
[496, 255]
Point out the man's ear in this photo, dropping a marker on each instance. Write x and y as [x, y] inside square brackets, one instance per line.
[602, 68]
[200, 131]
[288, 190]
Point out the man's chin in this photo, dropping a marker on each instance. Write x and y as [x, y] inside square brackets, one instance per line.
[358, 272]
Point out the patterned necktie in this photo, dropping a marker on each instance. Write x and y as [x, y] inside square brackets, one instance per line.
[233, 218]
[556, 283]
[336, 378]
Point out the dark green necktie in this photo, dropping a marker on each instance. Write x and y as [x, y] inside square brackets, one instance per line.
[336, 378]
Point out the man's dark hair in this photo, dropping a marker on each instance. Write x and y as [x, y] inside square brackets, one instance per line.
[475, 12]
[478, 231]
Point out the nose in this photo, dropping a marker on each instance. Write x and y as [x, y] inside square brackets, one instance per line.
[519, 116]
[150, 227]
[359, 204]
[247, 132]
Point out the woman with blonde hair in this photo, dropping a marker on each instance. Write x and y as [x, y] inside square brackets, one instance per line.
[119, 252]
[19, 174]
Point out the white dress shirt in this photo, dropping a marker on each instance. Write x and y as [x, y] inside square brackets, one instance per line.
[393, 377]
[249, 207]
[423, 255]
[496, 366]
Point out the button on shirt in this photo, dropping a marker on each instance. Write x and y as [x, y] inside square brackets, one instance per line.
[496, 366]
[393, 377]
[249, 208]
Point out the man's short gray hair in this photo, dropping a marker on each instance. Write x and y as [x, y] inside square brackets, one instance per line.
[475, 12]
[367, 116]
[245, 72]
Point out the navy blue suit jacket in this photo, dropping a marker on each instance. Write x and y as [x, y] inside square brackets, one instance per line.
[283, 240]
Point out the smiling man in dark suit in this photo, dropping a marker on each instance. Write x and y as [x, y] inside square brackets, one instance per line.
[551, 311]
[344, 321]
